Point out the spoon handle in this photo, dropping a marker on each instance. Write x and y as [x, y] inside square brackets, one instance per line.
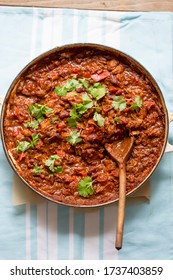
[121, 205]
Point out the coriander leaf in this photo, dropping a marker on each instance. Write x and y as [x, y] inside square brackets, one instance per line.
[74, 117]
[40, 119]
[138, 101]
[34, 124]
[72, 84]
[74, 138]
[137, 104]
[58, 169]
[85, 187]
[52, 159]
[47, 110]
[97, 85]
[98, 109]
[73, 112]
[119, 103]
[84, 82]
[53, 120]
[99, 119]
[87, 101]
[60, 91]
[35, 139]
[72, 122]
[50, 162]
[39, 110]
[37, 169]
[55, 157]
[23, 146]
[117, 120]
[81, 108]
[97, 91]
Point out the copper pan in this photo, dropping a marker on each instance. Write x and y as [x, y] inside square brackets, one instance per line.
[128, 60]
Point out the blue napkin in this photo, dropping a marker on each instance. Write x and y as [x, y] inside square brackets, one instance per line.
[49, 231]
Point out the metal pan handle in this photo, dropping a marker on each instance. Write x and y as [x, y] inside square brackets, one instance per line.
[169, 147]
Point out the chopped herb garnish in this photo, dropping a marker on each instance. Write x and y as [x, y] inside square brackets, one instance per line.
[22, 146]
[35, 138]
[98, 109]
[72, 122]
[40, 119]
[50, 162]
[84, 82]
[73, 112]
[74, 138]
[117, 120]
[85, 187]
[34, 124]
[97, 91]
[72, 84]
[39, 110]
[99, 119]
[60, 91]
[25, 145]
[79, 110]
[58, 169]
[69, 86]
[74, 116]
[53, 120]
[137, 104]
[37, 169]
[87, 101]
[119, 103]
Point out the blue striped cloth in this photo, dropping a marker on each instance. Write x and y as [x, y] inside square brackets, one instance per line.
[48, 231]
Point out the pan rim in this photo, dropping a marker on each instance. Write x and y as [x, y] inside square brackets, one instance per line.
[101, 47]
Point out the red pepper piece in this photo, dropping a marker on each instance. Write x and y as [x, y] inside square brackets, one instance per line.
[101, 76]
[60, 153]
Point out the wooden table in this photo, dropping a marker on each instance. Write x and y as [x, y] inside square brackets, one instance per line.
[119, 5]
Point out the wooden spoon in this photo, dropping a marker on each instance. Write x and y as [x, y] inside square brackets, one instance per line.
[120, 152]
